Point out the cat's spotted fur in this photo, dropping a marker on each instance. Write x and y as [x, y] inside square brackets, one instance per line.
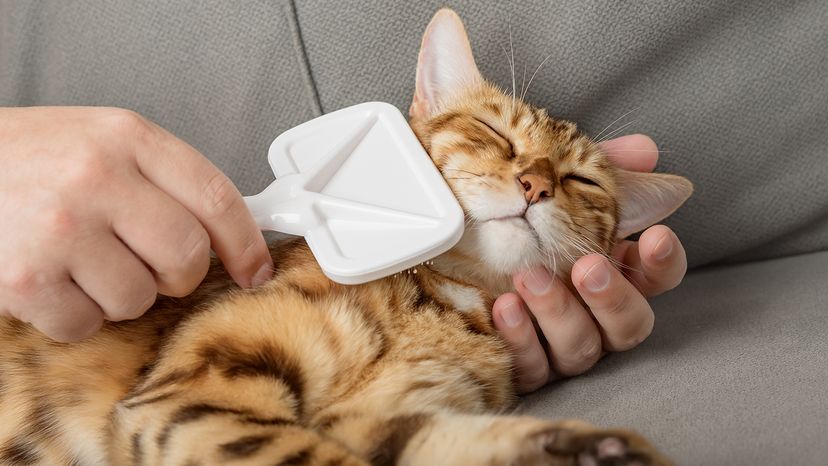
[406, 370]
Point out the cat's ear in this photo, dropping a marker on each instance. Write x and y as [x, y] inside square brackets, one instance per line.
[647, 198]
[445, 65]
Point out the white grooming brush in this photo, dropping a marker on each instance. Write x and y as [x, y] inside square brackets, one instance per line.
[357, 184]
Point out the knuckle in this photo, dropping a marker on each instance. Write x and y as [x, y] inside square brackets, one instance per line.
[70, 332]
[86, 168]
[24, 281]
[183, 287]
[188, 269]
[58, 221]
[220, 196]
[194, 250]
[124, 122]
[134, 308]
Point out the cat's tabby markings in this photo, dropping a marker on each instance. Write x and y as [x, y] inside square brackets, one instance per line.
[407, 370]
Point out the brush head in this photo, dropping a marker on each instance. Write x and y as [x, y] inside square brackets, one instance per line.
[357, 184]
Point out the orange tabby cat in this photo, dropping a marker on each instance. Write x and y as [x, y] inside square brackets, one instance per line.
[407, 370]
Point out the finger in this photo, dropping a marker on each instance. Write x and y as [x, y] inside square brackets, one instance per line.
[635, 152]
[64, 313]
[164, 234]
[515, 327]
[623, 314]
[573, 338]
[114, 278]
[187, 176]
[657, 261]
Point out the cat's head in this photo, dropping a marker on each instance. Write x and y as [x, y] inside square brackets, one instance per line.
[534, 189]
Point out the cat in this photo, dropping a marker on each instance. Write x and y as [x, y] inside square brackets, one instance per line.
[406, 370]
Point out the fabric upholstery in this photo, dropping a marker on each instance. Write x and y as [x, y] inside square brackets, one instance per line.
[227, 77]
[733, 374]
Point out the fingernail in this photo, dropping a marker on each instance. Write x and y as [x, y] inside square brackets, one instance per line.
[597, 278]
[537, 281]
[512, 315]
[262, 275]
[664, 247]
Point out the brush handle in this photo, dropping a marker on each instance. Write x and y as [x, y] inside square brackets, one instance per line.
[283, 206]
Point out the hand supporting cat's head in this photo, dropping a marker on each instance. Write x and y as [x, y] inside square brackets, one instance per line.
[535, 190]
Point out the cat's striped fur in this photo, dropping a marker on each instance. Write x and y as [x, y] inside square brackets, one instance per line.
[405, 370]
[298, 371]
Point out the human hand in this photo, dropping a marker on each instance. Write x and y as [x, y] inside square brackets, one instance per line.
[103, 209]
[617, 316]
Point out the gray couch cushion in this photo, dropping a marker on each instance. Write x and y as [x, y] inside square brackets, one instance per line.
[734, 373]
[224, 76]
[735, 91]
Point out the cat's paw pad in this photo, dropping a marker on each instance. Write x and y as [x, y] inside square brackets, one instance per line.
[599, 448]
[611, 451]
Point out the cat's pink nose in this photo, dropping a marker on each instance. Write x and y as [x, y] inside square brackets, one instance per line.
[537, 188]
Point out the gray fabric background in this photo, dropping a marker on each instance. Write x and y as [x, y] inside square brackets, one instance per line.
[736, 92]
[227, 77]
[734, 373]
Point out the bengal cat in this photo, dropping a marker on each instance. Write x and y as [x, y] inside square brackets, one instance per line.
[407, 370]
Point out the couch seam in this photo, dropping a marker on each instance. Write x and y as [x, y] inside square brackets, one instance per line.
[302, 57]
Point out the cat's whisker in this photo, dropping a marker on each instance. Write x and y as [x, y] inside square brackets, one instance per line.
[510, 68]
[565, 252]
[523, 95]
[585, 245]
[478, 176]
[622, 267]
[583, 239]
[512, 48]
[616, 131]
[583, 251]
[551, 256]
[464, 171]
[642, 150]
[614, 122]
[523, 81]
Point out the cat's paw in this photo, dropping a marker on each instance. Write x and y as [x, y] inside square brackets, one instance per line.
[526, 441]
[578, 444]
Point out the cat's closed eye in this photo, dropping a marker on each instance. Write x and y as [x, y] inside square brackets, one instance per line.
[510, 153]
[580, 179]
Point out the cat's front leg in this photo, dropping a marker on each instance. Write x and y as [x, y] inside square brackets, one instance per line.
[460, 440]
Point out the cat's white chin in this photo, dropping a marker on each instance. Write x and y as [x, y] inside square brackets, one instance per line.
[508, 244]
